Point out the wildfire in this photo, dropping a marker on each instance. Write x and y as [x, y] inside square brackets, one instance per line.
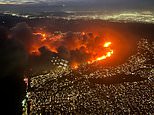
[108, 54]
[74, 65]
[107, 44]
[43, 39]
[43, 36]
[79, 45]
[100, 58]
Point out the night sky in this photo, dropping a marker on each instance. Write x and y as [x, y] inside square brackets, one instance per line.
[45, 5]
[120, 2]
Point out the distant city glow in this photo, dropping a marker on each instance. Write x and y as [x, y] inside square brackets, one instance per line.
[29, 1]
[121, 16]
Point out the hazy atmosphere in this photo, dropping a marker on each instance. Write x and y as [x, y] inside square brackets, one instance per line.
[80, 57]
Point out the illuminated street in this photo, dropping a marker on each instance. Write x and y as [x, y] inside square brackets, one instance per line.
[82, 92]
[77, 57]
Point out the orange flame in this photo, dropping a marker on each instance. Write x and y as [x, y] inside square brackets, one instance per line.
[43, 36]
[107, 44]
[74, 66]
[101, 58]
[44, 40]
[108, 54]
[47, 39]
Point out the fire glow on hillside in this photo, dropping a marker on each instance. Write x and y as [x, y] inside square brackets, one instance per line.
[75, 47]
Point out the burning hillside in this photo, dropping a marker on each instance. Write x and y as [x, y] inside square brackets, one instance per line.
[76, 47]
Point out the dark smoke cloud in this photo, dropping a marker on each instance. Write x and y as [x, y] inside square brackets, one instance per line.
[64, 53]
[13, 61]
[70, 48]
[76, 47]
[71, 41]
[79, 56]
[3, 33]
[13, 54]
[23, 33]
